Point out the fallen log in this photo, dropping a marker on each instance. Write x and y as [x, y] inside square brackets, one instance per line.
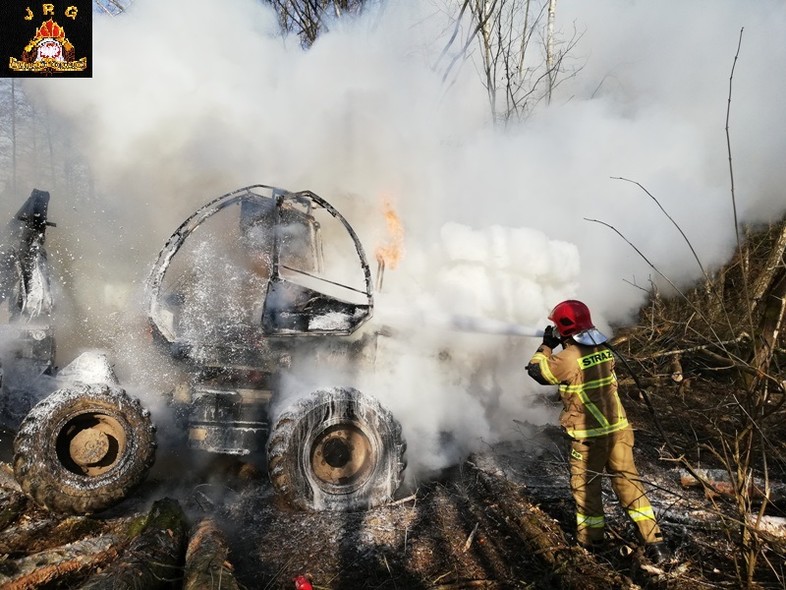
[773, 527]
[64, 565]
[571, 565]
[154, 558]
[39, 531]
[16, 539]
[207, 564]
[720, 482]
[12, 504]
[770, 528]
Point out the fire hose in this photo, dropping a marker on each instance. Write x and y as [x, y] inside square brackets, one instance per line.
[483, 325]
[657, 422]
[489, 326]
[644, 396]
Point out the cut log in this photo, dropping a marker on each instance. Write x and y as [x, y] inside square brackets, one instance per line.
[17, 539]
[207, 564]
[39, 531]
[572, 566]
[153, 559]
[64, 565]
[719, 481]
[773, 526]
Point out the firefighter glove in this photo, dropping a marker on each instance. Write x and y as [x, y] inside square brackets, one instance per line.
[551, 339]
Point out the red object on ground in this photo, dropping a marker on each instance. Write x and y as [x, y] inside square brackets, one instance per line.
[302, 583]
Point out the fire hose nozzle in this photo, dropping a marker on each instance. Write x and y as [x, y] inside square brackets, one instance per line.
[487, 326]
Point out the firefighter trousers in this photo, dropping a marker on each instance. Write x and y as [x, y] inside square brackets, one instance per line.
[612, 453]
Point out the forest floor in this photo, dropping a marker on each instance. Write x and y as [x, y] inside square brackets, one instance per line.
[501, 519]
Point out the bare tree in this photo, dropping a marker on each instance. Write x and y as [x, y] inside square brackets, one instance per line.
[516, 48]
[550, 46]
[34, 150]
[730, 326]
[309, 18]
[18, 147]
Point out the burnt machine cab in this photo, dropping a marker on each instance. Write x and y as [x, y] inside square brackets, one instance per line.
[258, 268]
[241, 283]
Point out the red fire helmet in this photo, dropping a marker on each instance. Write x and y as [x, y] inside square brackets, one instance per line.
[573, 320]
[571, 317]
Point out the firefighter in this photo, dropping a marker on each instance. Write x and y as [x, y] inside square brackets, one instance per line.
[594, 419]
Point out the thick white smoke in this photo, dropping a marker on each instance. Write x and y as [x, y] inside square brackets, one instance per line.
[193, 98]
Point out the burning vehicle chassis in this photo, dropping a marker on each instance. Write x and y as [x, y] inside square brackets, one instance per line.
[258, 291]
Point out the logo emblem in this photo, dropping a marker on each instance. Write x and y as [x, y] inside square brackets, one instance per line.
[50, 39]
[49, 51]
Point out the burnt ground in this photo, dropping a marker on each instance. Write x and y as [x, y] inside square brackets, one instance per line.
[502, 519]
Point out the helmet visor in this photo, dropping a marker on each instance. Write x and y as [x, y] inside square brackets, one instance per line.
[590, 337]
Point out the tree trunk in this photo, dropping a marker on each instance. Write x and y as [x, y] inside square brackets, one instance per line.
[550, 47]
[774, 263]
[64, 565]
[39, 534]
[483, 8]
[774, 302]
[18, 538]
[152, 560]
[207, 565]
[573, 567]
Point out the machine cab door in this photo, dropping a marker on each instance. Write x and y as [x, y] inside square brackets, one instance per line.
[314, 285]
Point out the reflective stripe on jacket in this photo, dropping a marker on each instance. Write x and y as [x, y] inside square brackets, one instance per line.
[587, 387]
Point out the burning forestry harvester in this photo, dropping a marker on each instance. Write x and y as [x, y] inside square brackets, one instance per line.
[273, 282]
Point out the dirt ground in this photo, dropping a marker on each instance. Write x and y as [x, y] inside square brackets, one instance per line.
[501, 519]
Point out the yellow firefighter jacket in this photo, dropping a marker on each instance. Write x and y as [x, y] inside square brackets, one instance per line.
[587, 388]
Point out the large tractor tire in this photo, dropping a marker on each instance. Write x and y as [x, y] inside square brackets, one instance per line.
[82, 449]
[337, 449]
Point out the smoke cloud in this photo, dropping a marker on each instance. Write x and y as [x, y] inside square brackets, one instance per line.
[192, 99]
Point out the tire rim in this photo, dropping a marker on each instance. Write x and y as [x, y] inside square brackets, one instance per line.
[91, 444]
[342, 458]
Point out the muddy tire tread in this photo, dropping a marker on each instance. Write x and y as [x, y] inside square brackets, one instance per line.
[286, 442]
[46, 482]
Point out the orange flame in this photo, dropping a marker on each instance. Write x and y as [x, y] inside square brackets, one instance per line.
[389, 254]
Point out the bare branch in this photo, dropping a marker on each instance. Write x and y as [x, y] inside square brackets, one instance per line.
[728, 139]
